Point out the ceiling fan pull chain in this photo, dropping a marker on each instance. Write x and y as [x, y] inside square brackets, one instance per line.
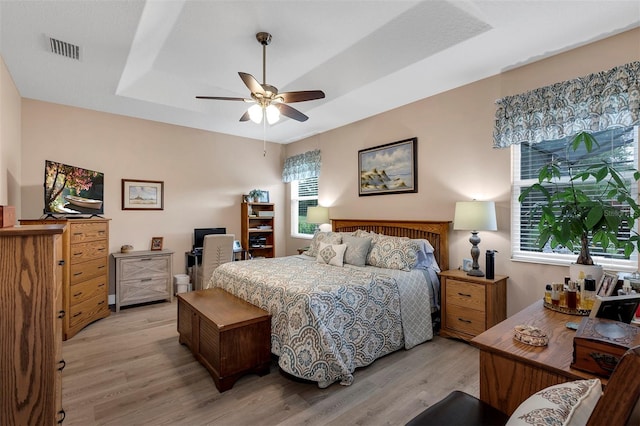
[264, 136]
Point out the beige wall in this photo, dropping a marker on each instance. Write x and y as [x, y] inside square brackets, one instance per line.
[204, 173]
[10, 163]
[456, 160]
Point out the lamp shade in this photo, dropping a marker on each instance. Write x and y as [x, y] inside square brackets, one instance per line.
[475, 216]
[317, 215]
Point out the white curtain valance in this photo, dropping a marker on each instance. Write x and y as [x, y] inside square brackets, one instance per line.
[593, 103]
[302, 166]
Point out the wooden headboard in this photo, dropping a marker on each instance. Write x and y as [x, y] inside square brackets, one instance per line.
[434, 231]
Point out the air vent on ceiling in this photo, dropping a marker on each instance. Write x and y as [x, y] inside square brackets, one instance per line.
[65, 49]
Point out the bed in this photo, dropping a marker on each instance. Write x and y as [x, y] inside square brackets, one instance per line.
[332, 312]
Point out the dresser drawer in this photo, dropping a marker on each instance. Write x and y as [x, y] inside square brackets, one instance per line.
[465, 320]
[87, 289]
[144, 290]
[83, 271]
[84, 232]
[464, 294]
[83, 311]
[86, 251]
[144, 267]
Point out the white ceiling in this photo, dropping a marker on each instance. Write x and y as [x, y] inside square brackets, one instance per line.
[149, 59]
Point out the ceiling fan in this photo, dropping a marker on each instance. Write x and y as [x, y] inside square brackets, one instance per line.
[268, 103]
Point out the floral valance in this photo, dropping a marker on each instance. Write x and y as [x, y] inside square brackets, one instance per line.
[302, 166]
[595, 102]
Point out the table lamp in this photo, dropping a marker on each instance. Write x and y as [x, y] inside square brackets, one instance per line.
[318, 215]
[475, 216]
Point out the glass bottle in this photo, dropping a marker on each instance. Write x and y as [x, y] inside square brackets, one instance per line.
[547, 294]
[589, 294]
[572, 295]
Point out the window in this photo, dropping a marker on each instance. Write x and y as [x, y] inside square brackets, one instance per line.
[618, 145]
[304, 194]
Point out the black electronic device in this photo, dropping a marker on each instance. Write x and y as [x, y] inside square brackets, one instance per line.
[617, 308]
[200, 233]
[71, 190]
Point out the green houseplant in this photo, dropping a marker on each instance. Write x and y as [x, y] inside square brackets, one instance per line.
[572, 217]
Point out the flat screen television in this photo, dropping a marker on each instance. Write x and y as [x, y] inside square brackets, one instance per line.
[71, 190]
[200, 233]
[617, 308]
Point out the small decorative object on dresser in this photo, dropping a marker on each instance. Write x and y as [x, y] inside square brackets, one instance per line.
[156, 243]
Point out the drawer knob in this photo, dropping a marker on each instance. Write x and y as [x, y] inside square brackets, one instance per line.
[464, 320]
[77, 314]
[464, 294]
[61, 314]
[77, 274]
[62, 364]
[78, 253]
[78, 294]
[62, 416]
[61, 262]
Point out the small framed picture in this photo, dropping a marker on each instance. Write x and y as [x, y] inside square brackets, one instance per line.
[467, 265]
[142, 194]
[264, 198]
[245, 198]
[156, 243]
[607, 284]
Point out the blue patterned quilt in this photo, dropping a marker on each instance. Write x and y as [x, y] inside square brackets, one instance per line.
[329, 320]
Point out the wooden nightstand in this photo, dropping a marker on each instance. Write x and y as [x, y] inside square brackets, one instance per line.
[471, 305]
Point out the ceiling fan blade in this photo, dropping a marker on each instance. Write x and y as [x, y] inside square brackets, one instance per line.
[245, 116]
[291, 112]
[223, 98]
[251, 83]
[301, 96]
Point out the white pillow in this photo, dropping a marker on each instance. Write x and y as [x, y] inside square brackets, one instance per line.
[568, 403]
[331, 254]
[327, 237]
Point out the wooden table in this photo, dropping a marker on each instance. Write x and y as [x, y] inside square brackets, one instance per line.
[511, 371]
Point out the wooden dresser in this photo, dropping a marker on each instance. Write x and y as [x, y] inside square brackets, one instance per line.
[86, 272]
[142, 276]
[470, 305]
[31, 364]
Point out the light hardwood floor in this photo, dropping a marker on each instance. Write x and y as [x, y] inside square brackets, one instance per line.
[129, 369]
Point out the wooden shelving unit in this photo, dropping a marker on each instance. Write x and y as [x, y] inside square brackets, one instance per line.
[257, 236]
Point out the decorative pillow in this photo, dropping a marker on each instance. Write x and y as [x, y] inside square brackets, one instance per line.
[357, 249]
[326, 237]
[331, 254]
[426, 257]
[564, 404]
[393, 253]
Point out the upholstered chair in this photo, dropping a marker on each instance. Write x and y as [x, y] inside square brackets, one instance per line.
[217, 249]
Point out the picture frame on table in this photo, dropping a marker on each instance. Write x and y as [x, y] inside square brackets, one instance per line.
[467, 265]
[156, 243]
[607, 284]
[142, 194]
[389, 169]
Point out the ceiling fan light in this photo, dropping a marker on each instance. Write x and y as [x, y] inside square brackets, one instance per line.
[273, 114]
[255, 113]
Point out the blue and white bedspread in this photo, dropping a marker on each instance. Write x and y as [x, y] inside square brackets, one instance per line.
[328, 320]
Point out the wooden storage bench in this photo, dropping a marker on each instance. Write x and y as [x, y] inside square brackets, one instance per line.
[228, 336]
